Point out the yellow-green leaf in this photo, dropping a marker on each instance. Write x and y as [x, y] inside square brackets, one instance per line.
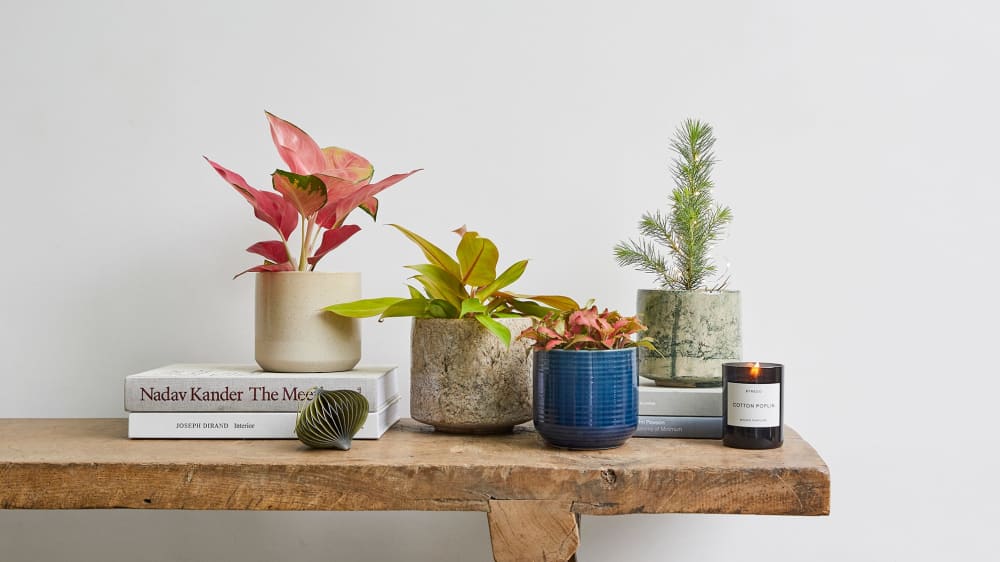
[439, 284]
[471, 306]
[511, 274]
[529, 308]
[408, 307]
[558, 302]
[363, 308]
[434, 255]
[498, 329]
[441, 309]
[477, 260]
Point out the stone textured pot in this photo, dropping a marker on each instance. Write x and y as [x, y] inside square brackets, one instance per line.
[464, 380]
[586, 399]
[294, 334]
[696, 331]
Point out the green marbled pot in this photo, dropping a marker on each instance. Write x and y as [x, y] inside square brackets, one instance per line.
[696, 332]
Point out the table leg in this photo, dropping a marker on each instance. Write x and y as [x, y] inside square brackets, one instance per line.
[533, 530]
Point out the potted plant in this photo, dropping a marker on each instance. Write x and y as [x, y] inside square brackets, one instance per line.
[693, 321]
[316, 195]
[467, 376]
[585, 377]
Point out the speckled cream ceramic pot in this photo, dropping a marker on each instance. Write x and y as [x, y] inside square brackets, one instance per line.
[464, 380]
[294, 334]
[695, 331]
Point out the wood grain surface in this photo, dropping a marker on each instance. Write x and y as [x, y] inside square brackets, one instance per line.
[89, 463]
[534, 530]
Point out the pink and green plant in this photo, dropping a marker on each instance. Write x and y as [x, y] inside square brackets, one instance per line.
[317, 194]
[586, 329]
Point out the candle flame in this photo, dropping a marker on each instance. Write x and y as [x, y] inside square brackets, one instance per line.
[755, 370]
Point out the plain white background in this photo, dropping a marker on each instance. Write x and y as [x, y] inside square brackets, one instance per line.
[857, 147]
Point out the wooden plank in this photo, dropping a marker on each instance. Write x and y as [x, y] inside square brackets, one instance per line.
[532, 530]
[72, 464]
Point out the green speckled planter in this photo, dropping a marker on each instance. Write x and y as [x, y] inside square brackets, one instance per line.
[696, 332]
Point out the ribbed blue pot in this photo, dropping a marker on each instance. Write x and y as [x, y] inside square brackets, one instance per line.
[586, 399]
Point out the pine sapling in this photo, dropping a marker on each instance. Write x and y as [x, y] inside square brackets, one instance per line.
[692, 227]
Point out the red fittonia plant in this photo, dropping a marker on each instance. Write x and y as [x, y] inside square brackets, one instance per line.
[323, 187]
[586, 328]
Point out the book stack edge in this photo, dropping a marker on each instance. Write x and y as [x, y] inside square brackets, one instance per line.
[216, 401]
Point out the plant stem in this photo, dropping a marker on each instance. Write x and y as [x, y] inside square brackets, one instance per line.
[305, 242]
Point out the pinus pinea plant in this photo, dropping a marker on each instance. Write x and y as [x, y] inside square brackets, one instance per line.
[693, 225]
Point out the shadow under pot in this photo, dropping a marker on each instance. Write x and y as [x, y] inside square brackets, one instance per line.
[463, 379]
[695, 332]
[586, 399]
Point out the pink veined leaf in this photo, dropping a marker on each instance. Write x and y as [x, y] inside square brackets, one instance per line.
[295, 147]
[271, 250]
[268, 207]
[343, 196]
[546, 331]
[286, 266]
[346, 165]
[332, 239]
[551, 344]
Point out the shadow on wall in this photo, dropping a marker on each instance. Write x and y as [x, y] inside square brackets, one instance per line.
[30, 536]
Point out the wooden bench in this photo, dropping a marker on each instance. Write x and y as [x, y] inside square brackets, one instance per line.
[532, 494]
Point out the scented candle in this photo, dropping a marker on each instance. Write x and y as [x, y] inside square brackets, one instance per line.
[753, 402]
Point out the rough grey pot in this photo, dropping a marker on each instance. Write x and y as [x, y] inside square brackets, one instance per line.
[696, 331]
[464, 380]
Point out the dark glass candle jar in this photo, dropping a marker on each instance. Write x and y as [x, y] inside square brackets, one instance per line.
[753, 397]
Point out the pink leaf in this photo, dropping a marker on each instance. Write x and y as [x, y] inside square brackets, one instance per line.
[344, 196]
[371, 207]
[332, 239]
[286, 213]
[461, 230]
[268, 207]
[271, 250]
[346, 165]
[295, 147]
[287, 266]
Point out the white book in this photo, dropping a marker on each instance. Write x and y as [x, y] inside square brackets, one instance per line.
[210, 387]
[668, 401]
[243, 425]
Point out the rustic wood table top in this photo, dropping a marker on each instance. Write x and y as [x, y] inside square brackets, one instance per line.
[532, 493]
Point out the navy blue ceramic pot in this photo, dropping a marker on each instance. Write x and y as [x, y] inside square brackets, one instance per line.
[586, 399]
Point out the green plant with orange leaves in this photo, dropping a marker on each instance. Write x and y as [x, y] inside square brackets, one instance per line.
[464, 286]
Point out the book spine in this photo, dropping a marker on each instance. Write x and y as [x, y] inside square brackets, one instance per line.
[665, 403]
[246, 394]
[692, 427]
[240, 425]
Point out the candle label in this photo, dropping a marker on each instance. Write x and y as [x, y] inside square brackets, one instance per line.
[753, 405]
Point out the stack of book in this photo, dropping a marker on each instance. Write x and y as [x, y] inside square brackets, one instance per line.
[188, 401]
[679, 412]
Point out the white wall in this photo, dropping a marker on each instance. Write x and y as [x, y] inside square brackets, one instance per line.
[857, 143]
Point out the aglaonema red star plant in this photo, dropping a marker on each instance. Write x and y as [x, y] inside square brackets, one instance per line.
[318, 192]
